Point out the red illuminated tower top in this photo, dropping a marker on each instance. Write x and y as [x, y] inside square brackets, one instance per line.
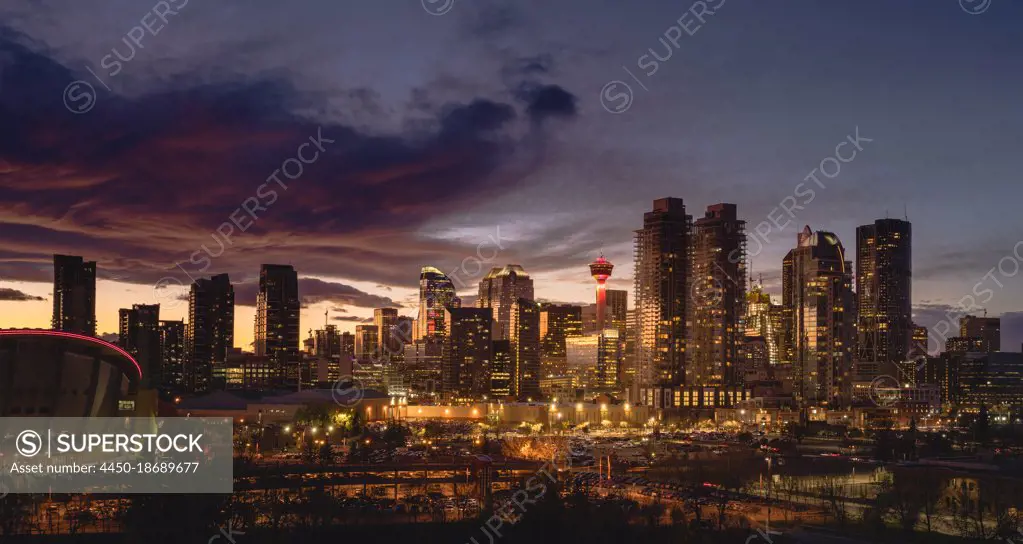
[601, 269]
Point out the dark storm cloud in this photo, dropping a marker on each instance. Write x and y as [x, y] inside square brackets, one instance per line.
[313, 291]
[141, 184]
[15, 295]
[543, 101]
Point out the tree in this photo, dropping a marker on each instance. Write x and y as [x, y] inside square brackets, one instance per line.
[326, 454]
[396, 435]
[15, 512]
[981, 429]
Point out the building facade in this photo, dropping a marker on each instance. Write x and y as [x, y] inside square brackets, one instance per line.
[172, 354]
[884, 273]
[139, 334]
[74, 295]
[468, 349]
[525, 346]
[718, 298]
[499, 290]
[662, 271]
[210, 330]
[818, 300]
[987, 329]
[277, 321]
[436, 292]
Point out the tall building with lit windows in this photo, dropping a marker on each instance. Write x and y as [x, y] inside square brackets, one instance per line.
[818, 300]
[617, 310]
[367, 342]
[557, 322]
[525, 345]
[467, 355]
[436, 292]
[762, 322]
[884, 301]
[74, 295]
[139, 334]
[662, 270]
[501, 368]
[499, 290]
[987, 329]
[277, 320]
[718, 298]
[209, 335]
[172, 354]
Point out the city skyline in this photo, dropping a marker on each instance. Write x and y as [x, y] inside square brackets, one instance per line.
[545, 156]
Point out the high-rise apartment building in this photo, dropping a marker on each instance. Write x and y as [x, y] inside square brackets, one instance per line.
[987, 329]
[210, 331]
[74, 295]
[662, 257]
[718, 298]
[818, 299]
[139, 334]
[277, 320]
[172, 354]
[436, 292]
[884, 265]
[468, 350]
[525, 345]
[499, 290]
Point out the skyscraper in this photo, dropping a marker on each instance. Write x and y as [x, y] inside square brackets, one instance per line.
[761, 322]
[557, 322]
[347, 345]
[818, 300]
[172, 354]
[525, 345]
[367, 342]
[719, 293]
[919, 346]
[74, 295]
[436, 292]
[884, 264]
[601, 270]
[499, 290]
[468, 349]
[327, 342]
[662, 256]
[277, 320]
[987, 329]
[617, 310]
[139, 335]
[501, 369]
[386, 322]
[210, 330]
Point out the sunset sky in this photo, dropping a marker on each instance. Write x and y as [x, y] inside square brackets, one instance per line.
[483, 123]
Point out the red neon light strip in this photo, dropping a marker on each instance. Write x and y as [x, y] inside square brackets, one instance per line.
[62, 334]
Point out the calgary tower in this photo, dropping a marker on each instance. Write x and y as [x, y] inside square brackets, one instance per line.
[601, 271]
